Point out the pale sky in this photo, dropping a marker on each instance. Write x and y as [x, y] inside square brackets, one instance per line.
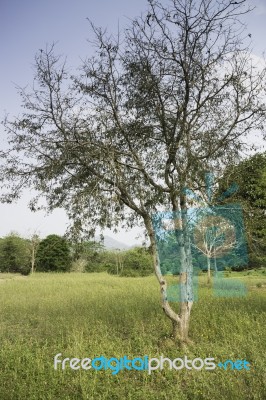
[28, 25]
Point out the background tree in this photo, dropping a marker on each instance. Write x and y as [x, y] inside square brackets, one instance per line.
[153, 109]
[14, 255]
[85, 249]
[53, 254]
[132, 262]
[213, 237]
[250, 177]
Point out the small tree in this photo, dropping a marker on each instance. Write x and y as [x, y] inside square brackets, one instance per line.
[53, 254]
[87, 256]
[213, 237]
[137, 260]
[14, 255]
[86, 249]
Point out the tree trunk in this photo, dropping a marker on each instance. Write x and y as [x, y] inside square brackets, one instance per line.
[180, 321]
[185, 309]
[186, 287]
[33, 249]
[33, 260]
[209, 270]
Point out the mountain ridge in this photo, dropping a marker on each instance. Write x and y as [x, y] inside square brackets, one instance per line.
[112, 244]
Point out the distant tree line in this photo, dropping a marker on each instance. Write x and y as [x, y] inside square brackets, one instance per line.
[57, 254]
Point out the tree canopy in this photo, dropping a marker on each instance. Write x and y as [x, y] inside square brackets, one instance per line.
[149, 114]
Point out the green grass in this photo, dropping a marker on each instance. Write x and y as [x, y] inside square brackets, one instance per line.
[88, 315]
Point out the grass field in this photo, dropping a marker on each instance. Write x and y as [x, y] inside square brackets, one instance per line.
[88, 315]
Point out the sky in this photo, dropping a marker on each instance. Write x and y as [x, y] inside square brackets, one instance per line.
[29, 25]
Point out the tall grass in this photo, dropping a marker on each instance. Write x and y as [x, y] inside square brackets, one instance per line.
[88, 315]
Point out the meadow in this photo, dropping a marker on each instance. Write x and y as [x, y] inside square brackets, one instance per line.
[93, 314]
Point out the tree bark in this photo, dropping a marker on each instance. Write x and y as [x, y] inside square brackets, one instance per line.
[186, 287]
[180, 321]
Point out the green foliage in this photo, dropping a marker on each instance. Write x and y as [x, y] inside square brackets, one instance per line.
[250, 176]
[14, 254]
[53, 254]
[131, 263]
[92, 257]
[88, 256]
[159, 118]
[98, 260]
[140, 260]
[85, 250]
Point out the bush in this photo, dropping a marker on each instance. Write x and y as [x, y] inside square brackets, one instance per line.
[139, 259]
[100, 261]
[25, 269]
[78, 266]
[133, 262]
[14, 254]
[53, 254]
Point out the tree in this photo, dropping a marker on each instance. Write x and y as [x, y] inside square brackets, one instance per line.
[150, 113]
[53, 254]
[14, 255]
[85, 249]
[137, 261]
[119, 262]
[213, 236]
[250, 177]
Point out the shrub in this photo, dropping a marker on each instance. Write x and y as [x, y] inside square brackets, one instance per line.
[53, 254]
[133, 262]
[14, 254]
[100, 261]
[78, 266]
